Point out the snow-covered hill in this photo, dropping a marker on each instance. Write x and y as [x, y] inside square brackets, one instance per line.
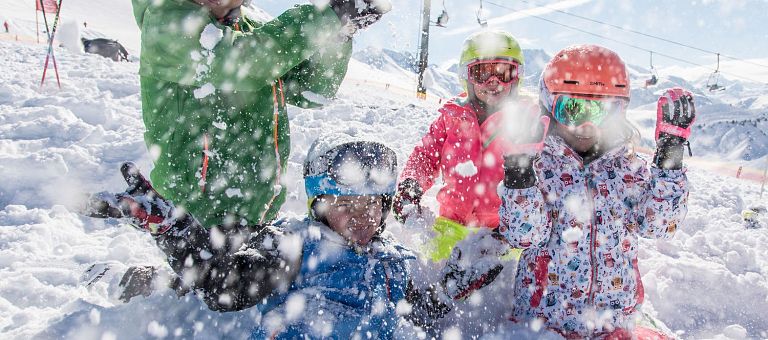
[438, 82]
[710, 281]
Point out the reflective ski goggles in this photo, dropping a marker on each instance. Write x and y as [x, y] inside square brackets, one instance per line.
[574, 110]
[505, 71]
[357, 168]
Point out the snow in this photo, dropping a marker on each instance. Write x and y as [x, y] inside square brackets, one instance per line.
[211, 36]
[466, 169]
[204, 91]
[57, 146]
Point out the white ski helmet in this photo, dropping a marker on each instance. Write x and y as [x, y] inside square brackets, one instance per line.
[342, 165]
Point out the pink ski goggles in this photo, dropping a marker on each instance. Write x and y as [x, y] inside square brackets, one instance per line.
[482, 71]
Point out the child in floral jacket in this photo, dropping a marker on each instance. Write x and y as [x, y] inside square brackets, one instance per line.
[579, 204]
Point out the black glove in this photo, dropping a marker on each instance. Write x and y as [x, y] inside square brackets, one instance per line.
[360, 13]
[524, 142]
[409, 192]
[669, 152]
[474, 263]
[518, 171]
[675, 114]
[140, 203]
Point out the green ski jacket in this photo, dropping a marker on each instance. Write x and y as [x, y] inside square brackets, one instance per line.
[214, 102]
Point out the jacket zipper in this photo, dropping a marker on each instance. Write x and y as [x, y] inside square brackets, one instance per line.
[592, 262]
[275, 116]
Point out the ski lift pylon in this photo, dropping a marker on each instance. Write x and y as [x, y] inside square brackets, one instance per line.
[712, 81]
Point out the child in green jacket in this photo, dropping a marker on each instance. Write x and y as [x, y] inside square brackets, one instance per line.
[214, 88]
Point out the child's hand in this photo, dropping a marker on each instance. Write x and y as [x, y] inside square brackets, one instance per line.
[526, 136]
[360, 13]
[518, 171]
[474, 263]
[407, 198]
[675, 113]
[140, 203]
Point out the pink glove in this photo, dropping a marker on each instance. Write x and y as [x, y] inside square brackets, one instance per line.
[675, 113]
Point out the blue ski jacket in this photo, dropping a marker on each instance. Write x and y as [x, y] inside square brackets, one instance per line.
[306, 280]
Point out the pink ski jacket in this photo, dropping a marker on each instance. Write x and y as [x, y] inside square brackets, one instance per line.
[469, 156]
[579, 227]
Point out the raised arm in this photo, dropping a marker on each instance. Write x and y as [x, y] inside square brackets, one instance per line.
[232, 267]
[523, 218]
[182, 44]
[665, 201]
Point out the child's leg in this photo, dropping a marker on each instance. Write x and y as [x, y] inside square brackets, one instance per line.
[646, 328]
[639, 333]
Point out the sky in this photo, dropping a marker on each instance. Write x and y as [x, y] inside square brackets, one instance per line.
[731, 27]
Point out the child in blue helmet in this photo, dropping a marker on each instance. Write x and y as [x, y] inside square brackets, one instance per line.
[339, 261]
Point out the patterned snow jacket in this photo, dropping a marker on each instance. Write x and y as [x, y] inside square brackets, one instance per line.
[579, 226]
[469, 156]
[303, 277]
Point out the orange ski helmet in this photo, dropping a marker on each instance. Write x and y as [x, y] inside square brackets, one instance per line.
[584, 69]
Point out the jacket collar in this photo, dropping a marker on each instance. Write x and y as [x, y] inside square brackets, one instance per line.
[556, 147]
[382, 246]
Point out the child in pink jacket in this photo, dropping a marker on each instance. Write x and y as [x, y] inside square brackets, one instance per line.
[578, 206]
[465, 144]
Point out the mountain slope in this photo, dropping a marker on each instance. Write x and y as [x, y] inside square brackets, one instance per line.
[711, 280]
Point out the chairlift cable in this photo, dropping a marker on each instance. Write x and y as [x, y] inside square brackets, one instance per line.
[637, 32]
[625, 43]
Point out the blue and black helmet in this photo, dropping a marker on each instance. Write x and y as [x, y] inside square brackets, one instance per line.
[342, 165]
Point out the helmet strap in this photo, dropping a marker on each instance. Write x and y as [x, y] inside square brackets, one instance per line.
[481, 108]
[315, 214]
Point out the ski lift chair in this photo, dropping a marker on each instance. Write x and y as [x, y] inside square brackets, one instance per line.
[652, 81]
[712, 81]
[442, 20]
[654, 75]
[480, 16]
[712, 84]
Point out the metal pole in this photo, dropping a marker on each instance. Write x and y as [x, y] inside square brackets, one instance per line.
[421, 91]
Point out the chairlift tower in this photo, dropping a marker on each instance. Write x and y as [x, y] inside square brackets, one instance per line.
[421, 90]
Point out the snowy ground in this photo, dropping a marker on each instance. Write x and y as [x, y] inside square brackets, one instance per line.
[710, 281]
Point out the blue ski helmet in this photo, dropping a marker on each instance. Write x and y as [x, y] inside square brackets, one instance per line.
[342, 165]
